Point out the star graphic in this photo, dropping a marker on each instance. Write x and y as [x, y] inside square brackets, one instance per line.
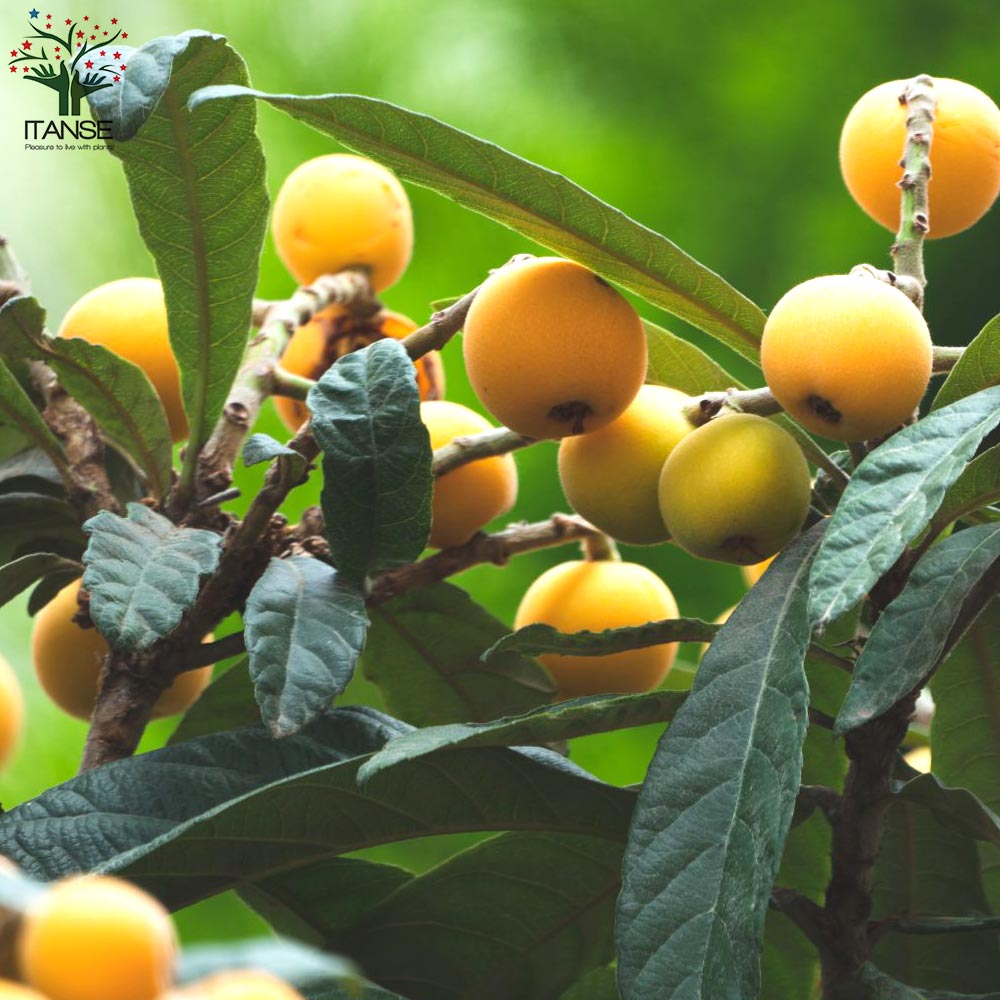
[114, 20]
[13, 69]
[89, 64]
[86, 17]
[57, 48]
[79, 34]
[48, 25]
[25, 69]
[117, 78]
[58, 57]
[104, 33]
[13, 53]
[92, 37]
[33, 13]
[104, 52]
[96, 26]
[26, 45]
[69, 20]
[117, 55]
[124, 34]
[123, 67]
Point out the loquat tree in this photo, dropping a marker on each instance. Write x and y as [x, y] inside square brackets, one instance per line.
[777, 844]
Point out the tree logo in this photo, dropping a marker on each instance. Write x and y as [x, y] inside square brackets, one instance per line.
[75, 65]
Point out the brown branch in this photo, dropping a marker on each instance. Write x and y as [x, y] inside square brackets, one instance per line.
[254, 382]
[803, 912]
[496, 548]
[706, 407]
[472, 447]
[819, 797]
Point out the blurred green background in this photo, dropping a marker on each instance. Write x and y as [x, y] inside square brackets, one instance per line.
[714, 123]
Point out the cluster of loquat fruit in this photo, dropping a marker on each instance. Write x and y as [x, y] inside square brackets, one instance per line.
[554, 352]
[95, 937]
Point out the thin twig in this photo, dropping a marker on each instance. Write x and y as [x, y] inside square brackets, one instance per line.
[472, 447]
[709, 405]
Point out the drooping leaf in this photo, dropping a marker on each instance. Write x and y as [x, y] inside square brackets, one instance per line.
[918, 627]
[264, 448]
[892, 496]
[978, 368]
[976, 487]
[115, 392]
[17, 410]
[376, 460]
[38, 522]
[297, 964]
[531, 200]
[30, 470]
[143, 573]
[236, 807]
[927, 867]
[958, 809]
[424, 653]
[520, 915]
[197, 185]
[714, 811]
[965, 731]
[22, 573]
[679, 364]
[534, 640]
[305, 627]
[564, 720]
[229, 702]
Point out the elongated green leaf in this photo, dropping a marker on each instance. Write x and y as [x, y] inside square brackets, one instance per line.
[965, 732]
[976, 487]
[295, 963]
[143, 573]
[263, 448]
[882, 987]
[978, 368]
[679, 364]
[424, 654]
[917, 628]
[115, 392]
[709, 830]
[17, 410]
[305, 628]
[237, 807]
[376, 460]
[534, 640]
[521, 915]
[229, 702]
[531, 200]
[891, 497]
[22, 573]
[197, 186]
[565, 720]
[926, 867]
[958, 809]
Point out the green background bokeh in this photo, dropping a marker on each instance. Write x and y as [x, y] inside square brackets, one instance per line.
[714, 123]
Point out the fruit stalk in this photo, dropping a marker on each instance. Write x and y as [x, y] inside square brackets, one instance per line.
[908, 249]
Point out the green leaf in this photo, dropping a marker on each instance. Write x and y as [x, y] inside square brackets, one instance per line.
[38, 522]
[538, 203]
[918, 627]
[237, 807]
[881, 987]
[928, 867]
[709, 830]
[976, 487]
[22, 573]
[958, 809]
[115, 392]
[305, 628]
[295, 963]
[264, 448]
[891, 497]
[534, 640]
[679, 364]
[601, 713]
[229, 702]
[978, 368]
[143, 573]
[377, 480]
[520, 915]
[965, 732]
[197, 187]
[17, 409]
[600, 984]
[30, 470]
[424, 653]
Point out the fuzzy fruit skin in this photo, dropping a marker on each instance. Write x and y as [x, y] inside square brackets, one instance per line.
[551, 349]
[472, 495]
[339, 211]
[849, 343]
[611, 477]
[751, 574]
[15, 991]
[11, 712]
[334, 332]
[91, 937]
[593, 596]
[965, 155]
[129, 317]
[736, 490]
[68, 662]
